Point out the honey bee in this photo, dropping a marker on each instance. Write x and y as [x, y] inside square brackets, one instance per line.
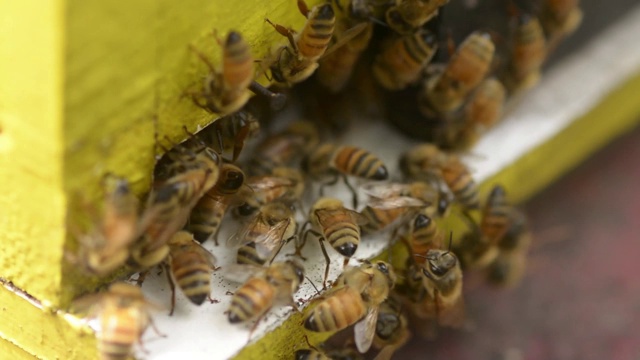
[427, 161]
[230, 132]
[482, 111]
[402, 59]
[336, 68]
[479, 247]
[392, 330]
[528, 53]
[106, 248]
[123, 314]
[227, 91]
[339, 226]
[299, 60]
[266, 287]
[191, 266]
[424, 235]
[170, 204]
[560, 18]
[285, 185]
[207, 215]
[331, 159]
[445, 91]
[509, 266]
[442, 282]
[262, 238]
[284, 148]
[407, 15]
[354, 298]
[314, 353]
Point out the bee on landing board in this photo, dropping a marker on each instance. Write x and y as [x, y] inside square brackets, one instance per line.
[170, 204]
[123, 314]
[392, 330]
[106, 248]
[265, 234]
[559, 18]
[190, 265]
[206, 216]
[265, 287]
[342, 161]
[408, 15]
[444, 92]
[403, 59]
[354, 298]
[284, 185]
[528, 53]
[229, 133]
[509, 266]
[340, 227]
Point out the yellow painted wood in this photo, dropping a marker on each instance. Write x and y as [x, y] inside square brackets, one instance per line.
[43, 333]
[12, 351]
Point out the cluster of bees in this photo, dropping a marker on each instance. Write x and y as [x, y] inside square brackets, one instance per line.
[205, 180]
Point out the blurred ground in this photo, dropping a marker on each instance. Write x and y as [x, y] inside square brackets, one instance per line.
[580, 298]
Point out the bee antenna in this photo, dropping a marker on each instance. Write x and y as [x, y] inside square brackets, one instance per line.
[376, 21]
[420, 256]
[312, 284]
[450, 241]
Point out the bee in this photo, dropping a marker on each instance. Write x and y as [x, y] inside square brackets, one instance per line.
[267, 286]
[424, 235]
[331, 159]
[227, 91]
[123, 314]
[395, 203]
[106, 248]
[299, 60]
[528, 53]
[190, 265]
[339, 226]
[262, 238]
[442, 282]
[427, 161]
[207, 215]
[230, 132]
[560, 18]
[508, 268]
[285, 185]
[335, 69]
[170, 204]
[402, 59]
[284, 148]
[354, 298]
[482, 111]
[445, 91]
[392, 330]
[314, 353]
[407, 15]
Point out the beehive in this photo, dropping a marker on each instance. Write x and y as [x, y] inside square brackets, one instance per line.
[96, 84]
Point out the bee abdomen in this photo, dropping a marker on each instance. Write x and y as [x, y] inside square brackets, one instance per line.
[336, 312]
[463, 187]
[250, 301]
[237, 62]
[316, 36]
[359, 162]
[247, 254]
[114, 350]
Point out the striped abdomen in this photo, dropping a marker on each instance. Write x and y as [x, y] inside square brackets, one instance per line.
[316, 34]
[343, 308]
[237, 61]
[461, 184]
[358, 162]
[192, 272]
[401, 63]
[529, 48]
[206, 218]
[470, 63]
[247, 254]
[425, 235]
[251, 300]
[495, 215]
[342, 233]
[120, 329]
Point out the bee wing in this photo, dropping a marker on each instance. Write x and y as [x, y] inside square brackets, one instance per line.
[241, 272]
[345, 37]
[269, 182]
[397, 202]
[383, 190]
[240, 236]
[211, 260]
[266, 244]
[86, 303]
[365, 330]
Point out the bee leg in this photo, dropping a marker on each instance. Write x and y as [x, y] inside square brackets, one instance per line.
[304, 8]
[329, 183]
[328, 261]
[212, 300]
[255, 325]
[203, 57]
[172, 286]
[284, 32]
[353, 191]
[142, 275]
[276, 100]
[155, 330]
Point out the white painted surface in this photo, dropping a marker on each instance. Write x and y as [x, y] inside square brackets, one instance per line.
[566, 92]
